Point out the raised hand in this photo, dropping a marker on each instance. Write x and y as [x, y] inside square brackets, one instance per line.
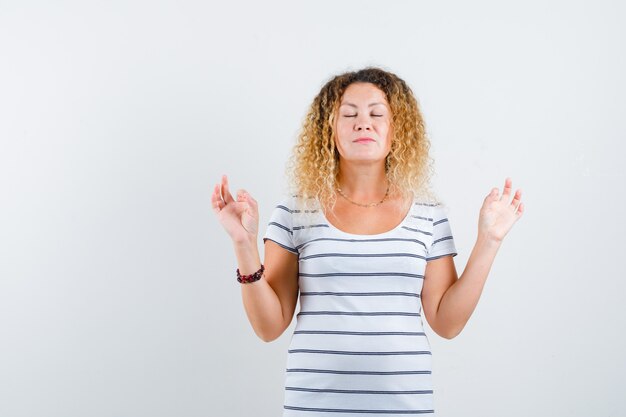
[499, 213]
[239, 217]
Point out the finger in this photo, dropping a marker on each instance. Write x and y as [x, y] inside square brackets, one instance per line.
[493, 194]
[216, 199]
[226, 195]
[251, 207]
[507, 188]
[251, 201]
[241, 196]
[517, 199]
[520, 211]
[216, 193]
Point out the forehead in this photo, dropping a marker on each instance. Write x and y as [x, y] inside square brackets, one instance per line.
[363, 92]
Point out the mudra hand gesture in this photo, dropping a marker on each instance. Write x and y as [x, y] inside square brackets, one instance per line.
[497, 214]
[239, 217]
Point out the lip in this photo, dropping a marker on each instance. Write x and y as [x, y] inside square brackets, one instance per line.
[364, 139]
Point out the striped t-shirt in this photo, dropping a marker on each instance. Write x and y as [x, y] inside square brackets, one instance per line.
[359, 345]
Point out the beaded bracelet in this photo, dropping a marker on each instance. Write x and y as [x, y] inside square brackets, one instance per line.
[245, 279]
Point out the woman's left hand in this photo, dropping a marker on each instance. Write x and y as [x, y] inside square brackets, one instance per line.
[498, 214]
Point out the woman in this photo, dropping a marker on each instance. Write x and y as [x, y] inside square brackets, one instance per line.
[365, 246]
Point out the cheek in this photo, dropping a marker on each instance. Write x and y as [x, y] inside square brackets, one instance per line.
[389, 139]
[385, 130]
[340, 135]
[343, 131]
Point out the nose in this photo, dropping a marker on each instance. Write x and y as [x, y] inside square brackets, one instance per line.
[362, 124]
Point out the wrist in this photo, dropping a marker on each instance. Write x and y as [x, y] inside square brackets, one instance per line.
[488, 241]
[249, 278]
[246, 243]
[248, 259]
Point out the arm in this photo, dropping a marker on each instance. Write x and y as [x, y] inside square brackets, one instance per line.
[269, 302]
[449, 302]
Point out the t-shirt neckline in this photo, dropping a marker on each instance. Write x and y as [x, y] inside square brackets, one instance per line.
[336, 229]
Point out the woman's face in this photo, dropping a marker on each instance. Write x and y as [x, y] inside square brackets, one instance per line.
[363, 127]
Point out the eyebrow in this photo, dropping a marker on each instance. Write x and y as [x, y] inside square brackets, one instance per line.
[355, 106]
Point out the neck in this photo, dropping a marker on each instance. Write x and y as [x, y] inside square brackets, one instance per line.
[363, 183]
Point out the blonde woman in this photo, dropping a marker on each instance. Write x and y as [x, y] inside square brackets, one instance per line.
[367, 248]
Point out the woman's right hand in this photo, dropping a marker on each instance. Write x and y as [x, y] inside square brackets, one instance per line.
[239, 217]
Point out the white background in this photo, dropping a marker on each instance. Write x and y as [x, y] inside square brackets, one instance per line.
[117, 283]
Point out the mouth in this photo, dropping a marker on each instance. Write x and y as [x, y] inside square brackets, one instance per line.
[364, 140]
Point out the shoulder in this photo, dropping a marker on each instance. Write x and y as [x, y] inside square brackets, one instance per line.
[296, 207]
[433, 210]
[292, 203]
[287, 204]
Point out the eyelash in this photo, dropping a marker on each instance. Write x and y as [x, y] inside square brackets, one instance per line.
[373, 115]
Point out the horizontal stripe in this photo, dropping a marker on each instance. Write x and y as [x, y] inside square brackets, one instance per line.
[363, 274]
[346, 410]
[441, 256]
[281, 245]
[417, 230]
[309, 226]
[280, 226]
[359, 294]
[442, 239]
[280, 206]
[389, 239]
[351, 333]
[288, 210]
[332, 371]
[356, 391]
[357, 313]
[430, 219]
[345, 352]
[440, 221]
[363, 255]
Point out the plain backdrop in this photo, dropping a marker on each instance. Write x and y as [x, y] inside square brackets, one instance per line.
[117, 283]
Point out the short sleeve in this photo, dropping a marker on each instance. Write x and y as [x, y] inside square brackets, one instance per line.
[443, 242]
[280, 226]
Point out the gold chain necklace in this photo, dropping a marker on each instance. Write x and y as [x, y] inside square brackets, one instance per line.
[368, 204]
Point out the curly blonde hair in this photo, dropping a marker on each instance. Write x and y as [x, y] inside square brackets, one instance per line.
[313, 167]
